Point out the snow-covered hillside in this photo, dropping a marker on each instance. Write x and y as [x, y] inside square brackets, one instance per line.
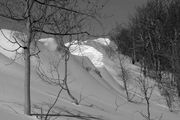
[93, 78]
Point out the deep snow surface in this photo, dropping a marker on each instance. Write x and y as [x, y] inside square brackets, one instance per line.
[92, 77]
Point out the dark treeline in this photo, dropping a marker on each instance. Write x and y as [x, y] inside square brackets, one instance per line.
[152, 38]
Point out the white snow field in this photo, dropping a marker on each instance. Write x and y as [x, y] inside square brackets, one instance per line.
[93, 78]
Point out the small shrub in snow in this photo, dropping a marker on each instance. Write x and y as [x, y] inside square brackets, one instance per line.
[98, 72]
[146, 88]
[88, 69]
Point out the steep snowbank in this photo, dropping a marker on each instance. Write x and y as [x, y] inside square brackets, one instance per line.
[89, 83]
[91, 78]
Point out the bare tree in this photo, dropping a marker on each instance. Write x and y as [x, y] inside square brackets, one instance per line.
[40, 18]
[146, 87]
[124, 76]
[54, 78]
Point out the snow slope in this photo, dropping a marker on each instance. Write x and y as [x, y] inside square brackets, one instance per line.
[87, 83]
[12, 89]
[91, 76]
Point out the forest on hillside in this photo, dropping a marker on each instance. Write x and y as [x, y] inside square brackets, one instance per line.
[152, 38]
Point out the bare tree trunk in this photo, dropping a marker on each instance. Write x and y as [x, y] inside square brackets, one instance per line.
[178, 87]
[148, 109]
[175, 61]
[177, 74]
[27, 101]
[177, 80]
[27, 94]
[124, 77]
[65, 79]
[134, 52]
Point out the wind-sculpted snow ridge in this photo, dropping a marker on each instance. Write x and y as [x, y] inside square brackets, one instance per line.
[103, 41]
[94, 55]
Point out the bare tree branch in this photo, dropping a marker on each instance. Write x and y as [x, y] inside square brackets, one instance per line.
[61, 34]
[59, 7]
